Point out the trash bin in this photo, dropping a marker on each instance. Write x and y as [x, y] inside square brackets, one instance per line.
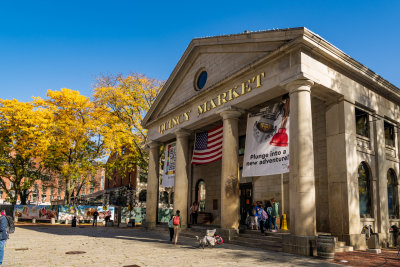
[326, 246]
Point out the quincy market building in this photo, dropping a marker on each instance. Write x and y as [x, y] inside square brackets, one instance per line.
[277, 93]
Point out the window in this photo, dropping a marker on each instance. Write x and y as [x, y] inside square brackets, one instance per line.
[362, 123]
[201, 195]
[91, 190]
[59, 191]
[200, 80]
[164, 197]
[143, 177]
[242, 144]
[171, 200]
[142, 196]
[393, 201]
[389, 134]
[364, 190]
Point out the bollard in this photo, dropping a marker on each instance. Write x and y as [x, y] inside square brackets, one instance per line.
[33, 220]
[284, 222]
[16, 219]
[53, 220]
[66, 221]
[126, 220]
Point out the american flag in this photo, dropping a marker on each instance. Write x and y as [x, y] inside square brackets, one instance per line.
[208, 146]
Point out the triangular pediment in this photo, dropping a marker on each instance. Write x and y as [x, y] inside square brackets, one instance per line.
[221, 57]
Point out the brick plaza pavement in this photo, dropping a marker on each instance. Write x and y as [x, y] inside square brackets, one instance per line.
[46, 245]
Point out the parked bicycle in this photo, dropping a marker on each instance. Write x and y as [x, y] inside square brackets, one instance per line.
[210, 239]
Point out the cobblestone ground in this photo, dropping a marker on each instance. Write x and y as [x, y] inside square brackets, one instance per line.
[46, 245]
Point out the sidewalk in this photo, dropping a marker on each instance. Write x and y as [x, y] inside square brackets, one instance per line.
[362, 258]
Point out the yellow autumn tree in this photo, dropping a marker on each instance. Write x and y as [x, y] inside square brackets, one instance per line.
[127, 98]
[77, 140]
[24, 140]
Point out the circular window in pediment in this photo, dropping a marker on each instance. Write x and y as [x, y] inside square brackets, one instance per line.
[201, 79]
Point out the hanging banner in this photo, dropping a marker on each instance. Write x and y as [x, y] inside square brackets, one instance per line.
[267, 141]
[169, 165]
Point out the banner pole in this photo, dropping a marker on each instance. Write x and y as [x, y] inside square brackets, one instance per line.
[283, 195]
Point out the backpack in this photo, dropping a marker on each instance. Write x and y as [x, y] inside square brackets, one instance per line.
[11, 226]
[269, 211]
[264, 215]
[175, 220]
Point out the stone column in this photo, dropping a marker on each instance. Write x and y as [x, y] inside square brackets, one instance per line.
[301, 176]
[152, 185]
[181, 175]
[230, 169]
[342, 160]
[382, 208]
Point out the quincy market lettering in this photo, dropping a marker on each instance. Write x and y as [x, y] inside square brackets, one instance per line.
[220, 100]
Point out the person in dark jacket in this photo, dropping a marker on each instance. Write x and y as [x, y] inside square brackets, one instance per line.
[3, 234]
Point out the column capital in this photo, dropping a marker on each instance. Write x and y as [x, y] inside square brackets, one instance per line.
[182, 133]
[299, 85]
[230, 114]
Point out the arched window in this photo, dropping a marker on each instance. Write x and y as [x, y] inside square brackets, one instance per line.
[364, 189]
[393, 200]
[142, 196]
[164, 197]
[201, 195]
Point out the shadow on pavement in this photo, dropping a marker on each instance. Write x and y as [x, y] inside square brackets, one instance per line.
[159, 237]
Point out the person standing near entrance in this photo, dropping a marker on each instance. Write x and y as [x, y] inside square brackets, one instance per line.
[95, 215]
[177, 224]
[268, 209]
[3, 234]
[194, 212]
[275, 213]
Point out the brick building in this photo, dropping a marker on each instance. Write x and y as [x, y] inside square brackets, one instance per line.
[46, 192]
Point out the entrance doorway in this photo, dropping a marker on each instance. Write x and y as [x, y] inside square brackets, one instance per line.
[246, 200]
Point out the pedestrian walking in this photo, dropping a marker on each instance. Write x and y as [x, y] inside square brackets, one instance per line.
[177, 224]
[95, 215]
[171, 228]
[3, 234]
[262, 217]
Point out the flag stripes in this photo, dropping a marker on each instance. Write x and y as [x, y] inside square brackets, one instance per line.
[208, 146]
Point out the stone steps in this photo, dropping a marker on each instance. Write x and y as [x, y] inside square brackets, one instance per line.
[268, 241]
[340, 246]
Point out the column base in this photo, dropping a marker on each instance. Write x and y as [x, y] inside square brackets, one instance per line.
[228, 234]
[150, 225]
[300, 245]
[356, 240]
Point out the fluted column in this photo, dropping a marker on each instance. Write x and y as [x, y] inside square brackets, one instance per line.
[181, 175]
[229, 172]
[152, 185]
[302, 178]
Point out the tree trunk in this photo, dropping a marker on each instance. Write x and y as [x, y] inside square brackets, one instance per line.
[23, 196]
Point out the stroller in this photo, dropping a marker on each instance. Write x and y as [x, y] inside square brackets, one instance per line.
[210, 239]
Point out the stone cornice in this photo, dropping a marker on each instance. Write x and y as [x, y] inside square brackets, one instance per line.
[304, 38]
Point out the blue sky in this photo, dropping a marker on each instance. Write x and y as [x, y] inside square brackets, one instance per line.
[56, 44]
